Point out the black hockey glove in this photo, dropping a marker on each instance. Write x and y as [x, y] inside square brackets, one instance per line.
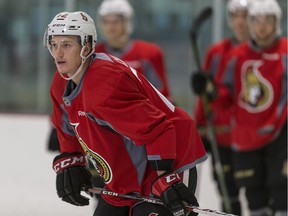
[53, 143]
[174, 194]
[202, 84]
[72, 175]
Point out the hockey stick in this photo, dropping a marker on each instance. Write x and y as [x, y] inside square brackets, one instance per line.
[196, 24]
[152, 200]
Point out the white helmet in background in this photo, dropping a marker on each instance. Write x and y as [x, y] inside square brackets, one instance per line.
[117, 7]
[73, 23]
[266, 7]
[234, 5]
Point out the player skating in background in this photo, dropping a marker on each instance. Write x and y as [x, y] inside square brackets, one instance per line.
[115, 18]
[256, 75]
[220, 108]
[139, 141]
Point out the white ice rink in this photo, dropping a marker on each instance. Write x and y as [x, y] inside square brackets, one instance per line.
[27, 181]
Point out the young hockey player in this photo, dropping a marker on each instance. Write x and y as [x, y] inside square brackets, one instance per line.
[115, 17]
[221, 109]
[139, 142]
[116, 22]
[256, 74]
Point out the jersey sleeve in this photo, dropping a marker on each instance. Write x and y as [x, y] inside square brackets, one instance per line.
[67, 139]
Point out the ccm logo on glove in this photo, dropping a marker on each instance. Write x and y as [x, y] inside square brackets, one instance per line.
[163, 182]
[172, 178]
[69, 161]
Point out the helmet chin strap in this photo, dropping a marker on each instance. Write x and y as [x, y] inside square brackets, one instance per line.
[84, 58]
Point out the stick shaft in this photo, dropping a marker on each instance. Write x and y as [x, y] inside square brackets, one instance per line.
[199, 20]
[194, 31]
[152, 200]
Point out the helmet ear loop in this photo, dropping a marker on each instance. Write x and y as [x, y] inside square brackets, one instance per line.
[84, 47]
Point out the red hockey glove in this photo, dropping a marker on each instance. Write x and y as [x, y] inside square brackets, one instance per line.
[72, 175]
[174, 194]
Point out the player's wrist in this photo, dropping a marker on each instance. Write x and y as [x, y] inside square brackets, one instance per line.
[161, 165]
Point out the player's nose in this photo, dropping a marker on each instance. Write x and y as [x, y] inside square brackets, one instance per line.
[58, 52]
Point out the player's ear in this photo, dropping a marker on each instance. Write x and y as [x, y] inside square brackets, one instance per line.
[87, 49]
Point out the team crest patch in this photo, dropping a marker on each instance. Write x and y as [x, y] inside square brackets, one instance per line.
[256, 92]
[100, 164]
[153, 214]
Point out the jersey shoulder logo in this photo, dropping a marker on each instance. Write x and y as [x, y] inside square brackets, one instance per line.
[256, 92]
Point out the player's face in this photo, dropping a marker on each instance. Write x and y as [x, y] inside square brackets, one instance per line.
[66, 53]
[239, 24]
[114, 26]
[264, 27]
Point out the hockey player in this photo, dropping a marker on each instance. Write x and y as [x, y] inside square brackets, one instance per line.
[220, 108]
[139, 142]
[116, 22]
[115, 17]
[256, 74]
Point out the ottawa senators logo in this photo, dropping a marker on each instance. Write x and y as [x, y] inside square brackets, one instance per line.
[256, 91]
[97, 160]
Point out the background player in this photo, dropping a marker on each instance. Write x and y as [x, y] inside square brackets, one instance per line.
[220, 108]
[256, 75]
[115, 18]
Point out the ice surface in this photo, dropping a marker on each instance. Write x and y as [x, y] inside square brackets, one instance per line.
[27, 181]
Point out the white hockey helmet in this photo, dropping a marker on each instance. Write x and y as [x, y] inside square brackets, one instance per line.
[234, 5]
[73, 23]
[266, 7]
[121, 7]
[117, 7]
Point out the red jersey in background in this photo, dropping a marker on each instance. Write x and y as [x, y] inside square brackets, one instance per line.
[257, 79]
[146, 58]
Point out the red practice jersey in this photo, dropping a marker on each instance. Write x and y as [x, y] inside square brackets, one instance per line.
[258, 81]
[221, 107]
[123, 121]
[146, 58]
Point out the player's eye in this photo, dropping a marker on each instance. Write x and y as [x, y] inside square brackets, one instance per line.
[53, 45]
[67, 45]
